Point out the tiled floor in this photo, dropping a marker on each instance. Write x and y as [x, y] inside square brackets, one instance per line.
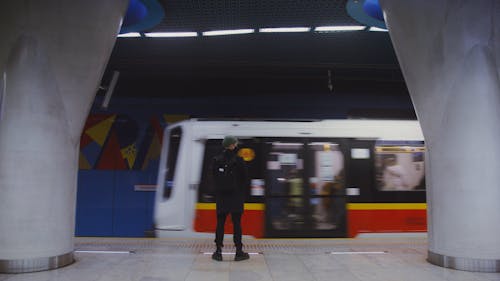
[360, 259]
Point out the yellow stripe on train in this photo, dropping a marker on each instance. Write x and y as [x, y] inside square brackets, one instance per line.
[247, 206]
[350, 206]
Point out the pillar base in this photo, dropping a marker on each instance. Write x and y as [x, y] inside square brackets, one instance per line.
[36, 264]
[466, 264]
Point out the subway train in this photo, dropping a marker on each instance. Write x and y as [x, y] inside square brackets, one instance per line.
[308, 179]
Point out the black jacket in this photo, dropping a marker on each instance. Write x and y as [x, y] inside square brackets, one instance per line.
[233, 202]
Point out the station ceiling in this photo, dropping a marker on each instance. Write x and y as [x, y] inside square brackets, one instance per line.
[301, 63]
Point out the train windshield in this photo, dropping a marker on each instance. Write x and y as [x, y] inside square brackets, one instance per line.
[173, 151]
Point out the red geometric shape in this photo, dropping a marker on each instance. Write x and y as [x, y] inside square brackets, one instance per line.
[111, 156]
[85, 140]
[155, 123]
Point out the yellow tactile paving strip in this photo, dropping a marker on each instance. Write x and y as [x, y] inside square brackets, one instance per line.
[251, 245]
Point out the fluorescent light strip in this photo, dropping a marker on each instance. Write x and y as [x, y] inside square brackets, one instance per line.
[356, 253]
[285, 29]
[339, 28]
[103, 252]
[374, 28]
[227, 32]
[171, 34]
[130, 34]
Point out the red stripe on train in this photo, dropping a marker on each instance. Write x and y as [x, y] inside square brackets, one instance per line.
[252, 222]
[359, 221]
[374, 221]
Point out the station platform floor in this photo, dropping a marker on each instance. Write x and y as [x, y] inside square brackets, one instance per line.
[386, 258]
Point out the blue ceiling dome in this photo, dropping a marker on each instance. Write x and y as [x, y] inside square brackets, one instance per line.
[367, 12]
[372, 8]
[136, 12]
[142, 15]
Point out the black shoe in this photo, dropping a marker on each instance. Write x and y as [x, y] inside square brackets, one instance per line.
[241, 256]
[217, 256]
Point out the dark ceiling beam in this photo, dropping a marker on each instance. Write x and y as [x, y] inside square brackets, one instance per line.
[260, 49]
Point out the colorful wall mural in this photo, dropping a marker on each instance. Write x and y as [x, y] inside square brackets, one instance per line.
[119, 142]
[119, 156]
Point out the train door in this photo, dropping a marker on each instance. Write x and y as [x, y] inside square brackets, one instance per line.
[305, 188]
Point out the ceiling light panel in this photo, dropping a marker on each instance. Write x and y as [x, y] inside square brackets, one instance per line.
[285, 29]
[227, 32]
[130, 34]
[334, 28]
[171, 34]
[374, 28]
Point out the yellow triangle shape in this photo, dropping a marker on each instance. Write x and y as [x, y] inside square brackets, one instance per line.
[83, 164]
[129, 153]
[100, 131]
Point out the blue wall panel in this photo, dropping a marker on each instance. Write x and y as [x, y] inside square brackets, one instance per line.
[108, 205]
[133, 209]
[94, 205]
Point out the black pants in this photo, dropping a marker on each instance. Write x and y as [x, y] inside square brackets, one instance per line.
[219, 232]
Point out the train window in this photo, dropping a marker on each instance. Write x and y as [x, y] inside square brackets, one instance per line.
[399, 166]
[326, 182]
[305, 187]
[285, 164]
[173, 151]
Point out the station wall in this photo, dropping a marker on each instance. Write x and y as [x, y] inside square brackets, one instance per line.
[120, 147]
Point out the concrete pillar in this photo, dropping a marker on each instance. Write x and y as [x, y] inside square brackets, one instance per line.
[449, 52]
[52, 56]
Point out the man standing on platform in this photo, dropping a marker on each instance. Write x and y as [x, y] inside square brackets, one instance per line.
[231, 181]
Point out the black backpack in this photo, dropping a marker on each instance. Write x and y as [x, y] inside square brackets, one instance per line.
[224, 174]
